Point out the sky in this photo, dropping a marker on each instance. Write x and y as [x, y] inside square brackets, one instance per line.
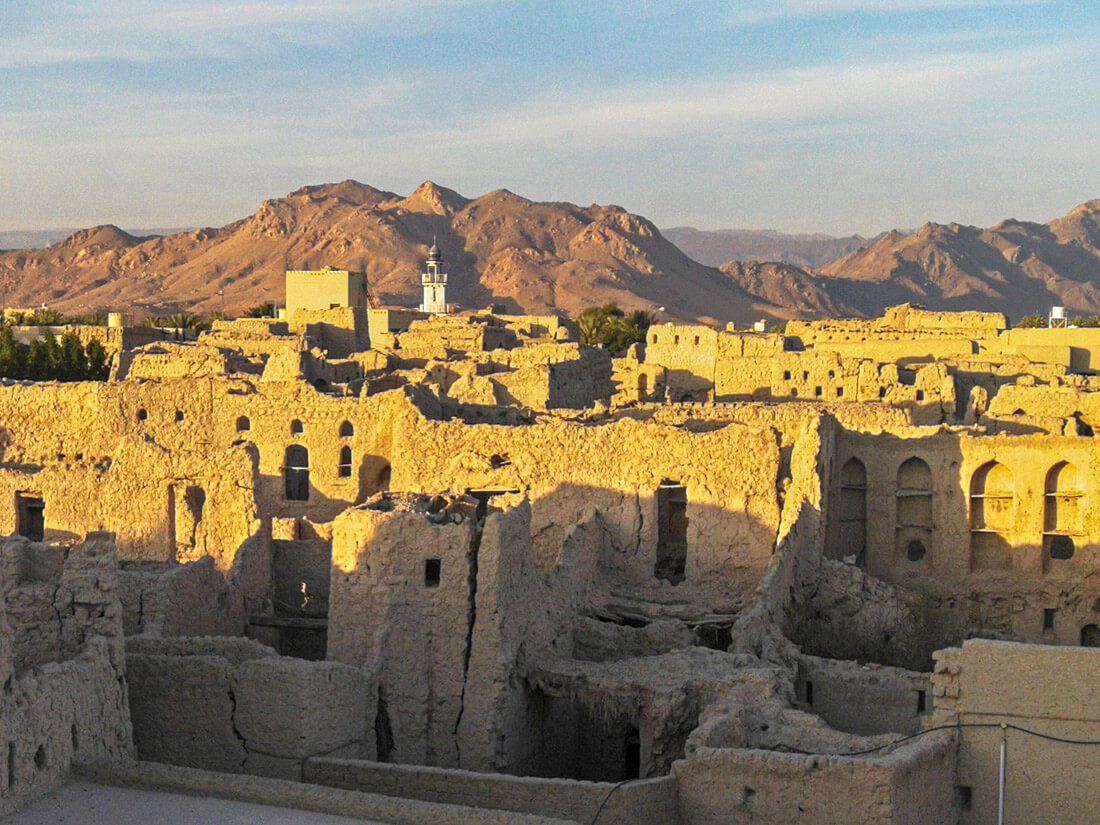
[835, 116]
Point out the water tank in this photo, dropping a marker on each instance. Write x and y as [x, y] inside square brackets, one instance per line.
[1057, 313]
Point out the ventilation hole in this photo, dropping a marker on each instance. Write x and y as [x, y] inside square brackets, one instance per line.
[1061, 547]
[142, 415]
[76, 738]
[915, 550]
[179, 415]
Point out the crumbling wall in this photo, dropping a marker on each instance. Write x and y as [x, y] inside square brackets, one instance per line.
[169, 599]
[63, 698]
[402, 609]
[730, 476]
[233, 705]
[754, 759]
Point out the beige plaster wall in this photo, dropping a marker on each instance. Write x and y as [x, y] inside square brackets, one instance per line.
[1051, 690]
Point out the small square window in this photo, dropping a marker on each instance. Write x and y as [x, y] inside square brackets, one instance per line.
[805, 376]
[817, 391]
[786, 375]
[179, 415]
[432, 572]
[840, 392]
[882, 392]
[920, 395]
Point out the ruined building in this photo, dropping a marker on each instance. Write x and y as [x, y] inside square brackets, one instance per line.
[467, 564]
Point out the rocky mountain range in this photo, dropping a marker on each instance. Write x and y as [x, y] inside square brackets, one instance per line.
[715, 247]
[537, 257]
[500, 249]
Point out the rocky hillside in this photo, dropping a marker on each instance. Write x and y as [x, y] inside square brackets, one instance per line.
[717, 246]
[500, 248]
[1014, 267]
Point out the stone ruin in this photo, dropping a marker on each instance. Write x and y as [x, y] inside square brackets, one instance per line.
[482, 567]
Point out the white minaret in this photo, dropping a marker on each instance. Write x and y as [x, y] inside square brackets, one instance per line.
[434, 281]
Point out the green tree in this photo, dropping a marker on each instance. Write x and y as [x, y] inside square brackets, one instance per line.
[181, 320]
[610, 326]
[96, 360]
[45, 317]
[13, 355]
[1031, 322]
[74, 361]
[39, 367]
[261, 311]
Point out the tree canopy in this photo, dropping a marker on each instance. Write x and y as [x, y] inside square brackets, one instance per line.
[610, 326]
[47, 359]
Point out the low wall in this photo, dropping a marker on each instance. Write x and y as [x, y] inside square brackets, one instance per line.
[864, 699]
[641, 802]
[234, 705]
[286, 794]
[912, 785]
[1052, 690]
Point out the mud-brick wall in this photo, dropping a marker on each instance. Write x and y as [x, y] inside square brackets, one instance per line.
[645, 802]
[401, 606]
[1050, 690]
[233, 705]
[730, 474]
[56, 598]
[64, 694]
[913, 785]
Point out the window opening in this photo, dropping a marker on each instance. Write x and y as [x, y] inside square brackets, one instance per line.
[992, 502]
[1062, 505]
[343, 469]
[913, 522]
[243, 424]
[672, 525]
[1048, 618]
[30, 516]
[296, 473]
[433, 569]
[296, 427]
[851, 539]
[347, 430]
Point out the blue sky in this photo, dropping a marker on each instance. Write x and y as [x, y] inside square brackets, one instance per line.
[837, 116]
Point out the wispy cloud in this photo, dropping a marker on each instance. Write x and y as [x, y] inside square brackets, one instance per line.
[658, 111]
[759, 11]
[149, 30]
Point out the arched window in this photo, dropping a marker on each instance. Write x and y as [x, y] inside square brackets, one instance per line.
[347, 430]
[913, 522]
[1062, 496]
[991, 517]
[243, 424]
[851, 536]
[296, 427]
[343, 469]
[296, 473]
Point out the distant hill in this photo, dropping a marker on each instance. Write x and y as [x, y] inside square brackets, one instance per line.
[500, 248]
[719, 246]
[1015, 267]
[41, 238]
